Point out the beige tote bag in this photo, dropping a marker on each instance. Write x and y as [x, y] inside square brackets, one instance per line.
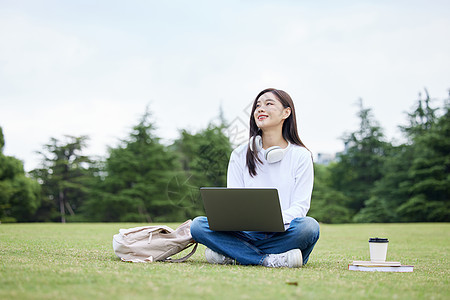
[153, 243]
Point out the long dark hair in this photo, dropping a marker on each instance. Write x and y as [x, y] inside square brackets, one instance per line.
[289, 130]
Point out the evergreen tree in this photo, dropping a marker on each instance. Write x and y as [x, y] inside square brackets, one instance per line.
[19, 195]
[391, 190]
[63, 174]
[327, 204]
[421, 119]
[429, 184]
[415, 184]
[204, 157]
[360, 165]
[136, 179]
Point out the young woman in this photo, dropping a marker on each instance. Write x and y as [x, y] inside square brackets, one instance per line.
[274, 157]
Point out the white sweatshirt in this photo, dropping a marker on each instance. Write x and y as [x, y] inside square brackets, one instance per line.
[293, 176]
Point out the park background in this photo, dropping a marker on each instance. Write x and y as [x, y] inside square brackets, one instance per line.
[120, 112]
[114, 111]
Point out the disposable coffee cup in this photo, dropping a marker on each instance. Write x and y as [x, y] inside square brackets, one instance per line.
[378, 249]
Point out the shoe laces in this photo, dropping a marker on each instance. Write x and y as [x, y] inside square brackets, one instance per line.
[277, 260]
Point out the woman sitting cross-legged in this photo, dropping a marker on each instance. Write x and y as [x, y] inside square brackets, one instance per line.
[275, 157]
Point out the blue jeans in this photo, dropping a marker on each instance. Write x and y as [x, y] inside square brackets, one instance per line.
[252, 247]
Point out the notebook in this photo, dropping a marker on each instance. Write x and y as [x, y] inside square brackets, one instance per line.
[242, 209]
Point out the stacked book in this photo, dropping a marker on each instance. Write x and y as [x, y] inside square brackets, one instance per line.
[384, 266]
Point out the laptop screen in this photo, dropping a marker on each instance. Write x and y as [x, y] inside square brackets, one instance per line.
[242, 209]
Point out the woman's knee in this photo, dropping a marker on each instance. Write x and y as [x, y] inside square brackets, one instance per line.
[313, 226]
[197, 226]
[308, 227]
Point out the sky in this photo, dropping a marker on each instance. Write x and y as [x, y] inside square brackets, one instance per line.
[93, 67]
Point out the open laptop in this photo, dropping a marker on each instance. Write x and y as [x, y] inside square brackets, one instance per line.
[242, 209]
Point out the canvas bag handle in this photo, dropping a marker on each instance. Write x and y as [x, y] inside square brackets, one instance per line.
[178, 260]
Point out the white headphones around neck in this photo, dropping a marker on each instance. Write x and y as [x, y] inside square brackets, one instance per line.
[272, 155]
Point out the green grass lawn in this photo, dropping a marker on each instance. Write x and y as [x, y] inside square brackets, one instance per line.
[76, 261]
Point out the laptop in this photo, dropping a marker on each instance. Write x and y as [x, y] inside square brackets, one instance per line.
[242, 209]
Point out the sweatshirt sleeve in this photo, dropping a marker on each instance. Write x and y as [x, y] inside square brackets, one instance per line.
[302, 190]
[235, 176]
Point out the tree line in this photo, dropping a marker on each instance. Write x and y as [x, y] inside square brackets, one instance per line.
[142, 180]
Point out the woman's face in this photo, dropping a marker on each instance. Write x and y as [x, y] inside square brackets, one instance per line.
[270, 112]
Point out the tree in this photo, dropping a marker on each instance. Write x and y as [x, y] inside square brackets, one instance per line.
[429, 184]
[360, 165]
[421, 119]
[390, 191]
[327, 204]
[19, 195]
[415, 184]
[204, 157]
[136, 178]
[63, 174]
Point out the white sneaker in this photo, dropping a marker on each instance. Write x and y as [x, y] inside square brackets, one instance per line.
[291, 259]
[216, 258]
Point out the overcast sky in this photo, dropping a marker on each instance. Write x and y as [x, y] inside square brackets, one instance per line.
[92, 67]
